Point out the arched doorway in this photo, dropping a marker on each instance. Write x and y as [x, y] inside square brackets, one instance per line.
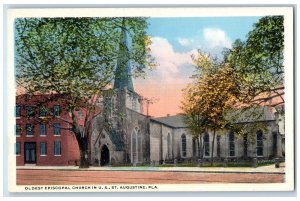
[104, 155]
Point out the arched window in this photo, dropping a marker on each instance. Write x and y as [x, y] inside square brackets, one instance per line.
[231, 144]
[169, 146]
[245, 141]
[136, 146]
[134, 153]
[183, 145]
[139, 146]
[206, 144]
[218, 146]
[259, 143]
[194, 147]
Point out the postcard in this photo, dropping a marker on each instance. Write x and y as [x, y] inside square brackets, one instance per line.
[150, 99]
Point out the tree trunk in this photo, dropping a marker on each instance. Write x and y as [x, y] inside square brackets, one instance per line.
[212, 151]
[84, 152]
[82, 140]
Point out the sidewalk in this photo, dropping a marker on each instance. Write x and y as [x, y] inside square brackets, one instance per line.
[268, 169]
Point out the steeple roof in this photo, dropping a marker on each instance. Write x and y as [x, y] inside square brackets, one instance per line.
[123, 76]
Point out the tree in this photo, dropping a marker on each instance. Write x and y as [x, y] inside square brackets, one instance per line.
[75, 59]
[210, 97]
[258, 63]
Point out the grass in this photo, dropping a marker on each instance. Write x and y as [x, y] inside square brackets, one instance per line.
[204, 164]
[207, 164]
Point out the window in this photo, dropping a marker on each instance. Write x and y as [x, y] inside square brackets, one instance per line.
[112, 108]
[136, 146]
[57, 148]
[81, 129]
[80, 115]
[43, 111]
[29, 130]
[18, 130]
[18, 148]
[29, 111]
[139, 148]
[231, 144]
[56, 110]
[183, 145]
[56, 128]
[245, 140]
[218, 146]
[274, 143]
[169, 146]
[43, 149]
[259, 143]
[134, 104]
[18, 111]
[206, 144]
[42, 129]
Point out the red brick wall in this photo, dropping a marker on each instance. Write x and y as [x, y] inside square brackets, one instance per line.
[69, 145]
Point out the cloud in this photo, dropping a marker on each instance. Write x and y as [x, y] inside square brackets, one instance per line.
[214, 38]
[171, 63]
[185, 41]
[192, 43]
[165, 83]
[210, 40]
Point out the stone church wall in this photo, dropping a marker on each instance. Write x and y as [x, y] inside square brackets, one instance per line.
[268, 141]
[141, 122]
[155, 139]
[159, 144]
[178, 132]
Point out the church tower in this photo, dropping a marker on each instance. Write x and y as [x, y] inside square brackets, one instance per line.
[126, 97]
[123, 77]
[121, 132]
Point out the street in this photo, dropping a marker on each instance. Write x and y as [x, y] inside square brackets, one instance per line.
[88, 177]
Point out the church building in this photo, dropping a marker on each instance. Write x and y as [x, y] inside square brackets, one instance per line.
[122, 134]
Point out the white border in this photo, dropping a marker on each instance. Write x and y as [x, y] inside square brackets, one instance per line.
[166, 12]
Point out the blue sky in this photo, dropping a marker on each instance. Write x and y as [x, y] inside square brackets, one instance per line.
[174, 40]
[175, 28]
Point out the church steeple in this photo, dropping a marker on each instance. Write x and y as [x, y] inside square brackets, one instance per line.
[123, 76]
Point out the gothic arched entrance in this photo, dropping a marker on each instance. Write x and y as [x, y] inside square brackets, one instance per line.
[104, 155]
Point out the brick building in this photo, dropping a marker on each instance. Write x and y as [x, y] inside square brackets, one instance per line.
[42, 137]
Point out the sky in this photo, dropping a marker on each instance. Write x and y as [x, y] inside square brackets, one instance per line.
[174, 40]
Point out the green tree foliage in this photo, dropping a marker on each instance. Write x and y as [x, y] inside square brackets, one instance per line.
[210, 97]
[258, 63]
[229, 94]
[76, 58]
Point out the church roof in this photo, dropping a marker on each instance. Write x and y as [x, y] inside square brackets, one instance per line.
[176, 121]
[123, 77]
[263, 113]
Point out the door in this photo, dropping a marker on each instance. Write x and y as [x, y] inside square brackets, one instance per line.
[104, 156]
[30, 152]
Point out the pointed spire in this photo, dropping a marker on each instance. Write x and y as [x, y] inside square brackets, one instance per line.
[123, 77]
